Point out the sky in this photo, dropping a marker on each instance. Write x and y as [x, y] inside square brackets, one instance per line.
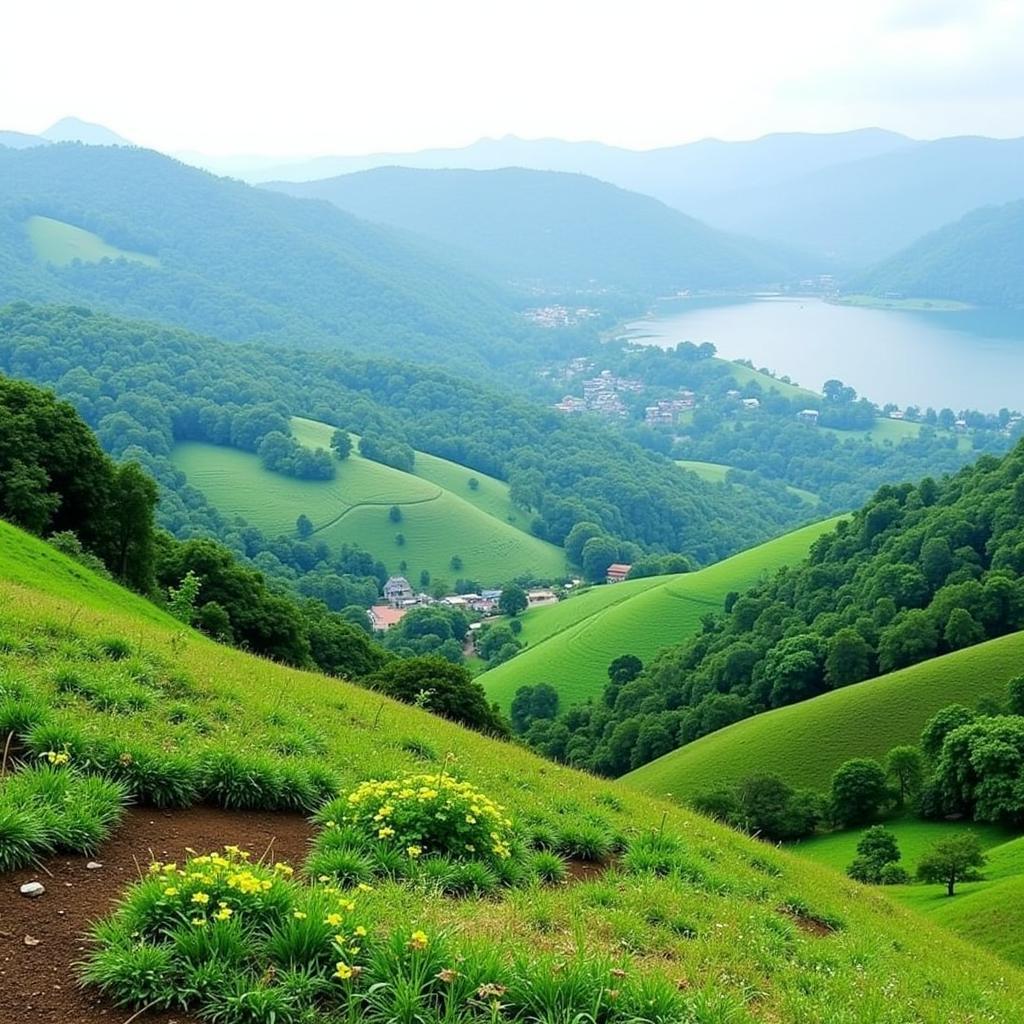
[314, 76]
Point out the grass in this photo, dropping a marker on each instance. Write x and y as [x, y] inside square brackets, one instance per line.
[744, 375]
[693, 908]
[572, 643]
[437, 523]
[57, 242]
[805, 743]
[913, 305]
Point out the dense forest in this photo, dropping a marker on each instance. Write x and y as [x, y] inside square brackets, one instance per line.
[143, 387]
[977, 259]
[246, 264]
[917, 572]
[558, 232]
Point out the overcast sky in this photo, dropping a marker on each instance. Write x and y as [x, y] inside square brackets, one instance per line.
[336, 76]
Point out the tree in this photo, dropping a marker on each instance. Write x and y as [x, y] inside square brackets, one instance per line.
[952, 860]
[980, 769]
[624, 669]
[424, 578]
[513, 600]
[441, 687]
[455, 563]
[578, 536]
[341, 444]
[904, 766]
[474, 484]
[598, 554]
[940, 725]
[181, 600]
[532, 704]
[877, 850]
[961, 630]
[304, 526]
[1016, 695]
[395, 514]
[848, 659]
[859, 790]
[134, 499]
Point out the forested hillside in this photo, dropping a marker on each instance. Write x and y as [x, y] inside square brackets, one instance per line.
[919, 571]
[143, 387]
[561, 231]
[977, 259]
[242, 263]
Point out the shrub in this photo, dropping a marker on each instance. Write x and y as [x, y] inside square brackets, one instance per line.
[241, 782]
[23, 837]
[549, 867]
[585, 841]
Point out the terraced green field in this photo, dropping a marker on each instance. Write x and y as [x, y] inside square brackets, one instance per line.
[354, 507]
[571, 644]
[805, 743]
[60, 243]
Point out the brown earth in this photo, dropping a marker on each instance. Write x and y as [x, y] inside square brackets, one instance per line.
[38, 984]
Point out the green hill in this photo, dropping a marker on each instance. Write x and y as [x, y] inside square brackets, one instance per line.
[637, 617]
[977, 259]
[567, 231]
[731, 932]
[716, 472]
[354, 508]
[241, 263]
[805, 743]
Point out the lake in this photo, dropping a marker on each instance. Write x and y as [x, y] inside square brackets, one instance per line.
[967, 359]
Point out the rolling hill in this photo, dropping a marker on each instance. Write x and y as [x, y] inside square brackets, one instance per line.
[748, 924]
[241, 263]
[565, 231]
[571, 644]
[805, 743]
[441, 516]
[978, 259]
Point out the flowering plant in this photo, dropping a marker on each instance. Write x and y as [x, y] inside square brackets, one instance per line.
[424, 815]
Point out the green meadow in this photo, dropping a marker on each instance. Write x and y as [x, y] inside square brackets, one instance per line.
[741, 932]
[572, 643]
[54, 241]
[716, 472]
[442, 516]
[804, 743]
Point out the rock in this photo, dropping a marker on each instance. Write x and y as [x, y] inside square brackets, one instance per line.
[31, 940]
[32, 889]
[93, 865]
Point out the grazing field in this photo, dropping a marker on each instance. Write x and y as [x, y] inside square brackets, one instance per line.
[719, 927]
[652, 614]
[744, 375]
[805, 743]
[436, 525]
[57, 242]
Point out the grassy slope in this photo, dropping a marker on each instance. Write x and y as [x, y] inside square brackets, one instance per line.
[882, 964]
[54, 241]
[804, 743]
[354, 508]
[715, 473]
[989, 912]
[650, 615]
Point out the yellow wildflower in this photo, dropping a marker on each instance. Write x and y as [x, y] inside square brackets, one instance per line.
[418, 940]
[414, 851]
[201, 898]
[342, 970]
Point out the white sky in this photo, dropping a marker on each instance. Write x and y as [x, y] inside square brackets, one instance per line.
[315, 76]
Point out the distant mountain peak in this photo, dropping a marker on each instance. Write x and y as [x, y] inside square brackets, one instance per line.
[74, 129]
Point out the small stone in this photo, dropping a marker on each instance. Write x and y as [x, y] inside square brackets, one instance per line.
[93, 865]
[32, 889]
[31, 940]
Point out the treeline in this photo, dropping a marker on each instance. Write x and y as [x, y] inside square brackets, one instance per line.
[56, 481]
[919, 571]
[142, 387]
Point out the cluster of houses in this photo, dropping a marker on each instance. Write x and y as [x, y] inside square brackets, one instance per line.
[665, 412]
[601, 394]
[559, 316]
[400, 598]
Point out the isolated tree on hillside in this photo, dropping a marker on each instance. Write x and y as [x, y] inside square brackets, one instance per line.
[304, 526]
[905, 768]
[859, 790]
[877, 852]
[395, 514]
[341, 444]
[952, 860]
[513, 600]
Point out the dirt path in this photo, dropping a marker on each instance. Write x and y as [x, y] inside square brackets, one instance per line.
[37, 982]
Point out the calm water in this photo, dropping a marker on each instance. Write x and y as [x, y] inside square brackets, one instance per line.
[972, 359]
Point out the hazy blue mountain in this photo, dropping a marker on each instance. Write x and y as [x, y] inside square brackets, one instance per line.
[242, 263]
[977, 259]
[20, 140]
[555, 230]
[73, 129]
[869, 209]
[678, 175]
